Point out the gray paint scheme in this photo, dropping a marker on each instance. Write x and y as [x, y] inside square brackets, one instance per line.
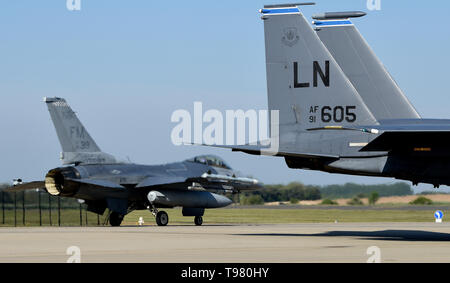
[367, 73]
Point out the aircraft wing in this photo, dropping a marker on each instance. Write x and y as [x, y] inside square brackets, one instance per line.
[160, 181]
[418, 141]
[26, 186]
[204, 182]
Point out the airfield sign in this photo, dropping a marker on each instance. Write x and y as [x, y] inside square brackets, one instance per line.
[438, 215]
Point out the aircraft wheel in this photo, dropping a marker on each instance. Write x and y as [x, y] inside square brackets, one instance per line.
[162, 219]
[115, 219]
[198, 220]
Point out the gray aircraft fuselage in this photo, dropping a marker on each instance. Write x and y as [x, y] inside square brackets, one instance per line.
[130, 175]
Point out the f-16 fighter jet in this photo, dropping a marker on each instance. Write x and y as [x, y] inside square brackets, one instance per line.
[104, 182]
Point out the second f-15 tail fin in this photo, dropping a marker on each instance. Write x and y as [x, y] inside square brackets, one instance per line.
[368, 75]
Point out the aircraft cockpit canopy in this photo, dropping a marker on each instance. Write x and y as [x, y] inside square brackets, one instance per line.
[210, 160]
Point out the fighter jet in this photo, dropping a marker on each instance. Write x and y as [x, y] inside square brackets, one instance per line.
[339, 109]
[104, 182]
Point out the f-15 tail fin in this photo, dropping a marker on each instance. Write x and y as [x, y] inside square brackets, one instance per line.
[304, 81]
[77, 145]
[366, 72]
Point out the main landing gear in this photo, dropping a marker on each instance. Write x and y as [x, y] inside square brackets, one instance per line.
[162, 218]
[115, 219]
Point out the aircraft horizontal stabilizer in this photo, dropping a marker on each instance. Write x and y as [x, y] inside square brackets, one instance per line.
[263, 150]
[26, 186]
[417, 141]
[256, 150]
[249, 149]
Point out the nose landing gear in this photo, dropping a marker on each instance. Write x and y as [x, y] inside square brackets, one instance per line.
[162, 218]
[198, 220]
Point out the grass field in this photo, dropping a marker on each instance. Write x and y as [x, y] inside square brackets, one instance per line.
[286, 216]
[71, 217]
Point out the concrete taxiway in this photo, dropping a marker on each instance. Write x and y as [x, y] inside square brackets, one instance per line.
[397, 242]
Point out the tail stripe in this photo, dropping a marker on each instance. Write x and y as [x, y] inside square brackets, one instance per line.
[332, 23]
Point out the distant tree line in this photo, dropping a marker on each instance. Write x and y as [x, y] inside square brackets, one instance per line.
[351, 190]
[299, 192]
[273, 193]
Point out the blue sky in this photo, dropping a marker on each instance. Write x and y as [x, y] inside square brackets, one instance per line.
[125, 66]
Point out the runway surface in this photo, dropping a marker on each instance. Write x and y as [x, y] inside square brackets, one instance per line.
[350, 208]
[399, 242]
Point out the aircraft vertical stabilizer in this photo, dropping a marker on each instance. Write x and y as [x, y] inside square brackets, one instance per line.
[77, 145]
[379, 91]
[304, 81]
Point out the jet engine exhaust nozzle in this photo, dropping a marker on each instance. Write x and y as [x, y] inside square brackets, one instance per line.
[56, 182]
